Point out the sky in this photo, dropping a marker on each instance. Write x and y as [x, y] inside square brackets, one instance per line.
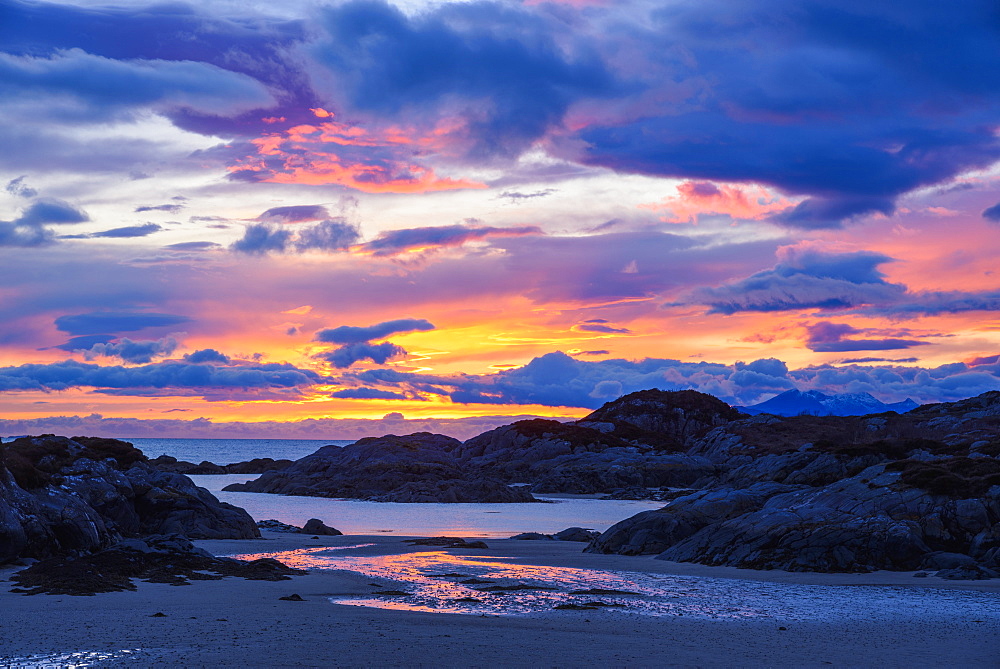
[279, 216]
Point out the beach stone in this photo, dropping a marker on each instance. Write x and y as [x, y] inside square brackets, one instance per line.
[316, 526]
[576, 534]
[938, 560]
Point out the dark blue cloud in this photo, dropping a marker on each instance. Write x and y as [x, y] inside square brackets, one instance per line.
[264, 238]
[196, 51]
[992, 213]
[171, 208]
[18, 188]
[135, 352]
[827, 337]
[84, 342]
[556, 379]
[388, 62]
[807, 278]
[206, 355]
[129, 231]
[347, 355]
[107, 322]
[47, 211]
[849, 103]
[367, 394]
[294, 214]
[261, 239]
[162, 375]
[349, 334]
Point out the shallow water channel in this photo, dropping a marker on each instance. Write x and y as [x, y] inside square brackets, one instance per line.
[442, 582]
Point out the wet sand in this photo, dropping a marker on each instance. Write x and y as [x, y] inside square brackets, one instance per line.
[235, 622]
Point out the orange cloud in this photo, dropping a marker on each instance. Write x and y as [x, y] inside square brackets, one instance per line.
[330, 152]
[695, 198]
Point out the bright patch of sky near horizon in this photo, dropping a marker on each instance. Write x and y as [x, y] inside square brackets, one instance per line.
[520, 208]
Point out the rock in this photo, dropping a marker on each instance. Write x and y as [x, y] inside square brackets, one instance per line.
[533, 536]
[292, 598]
[938, 560]
[967, 573]
[61, 496]
[173, 559]
[169, 463]
[447, 542]
[316, 526]
[453, 491]
[278, 526]
[576, 534]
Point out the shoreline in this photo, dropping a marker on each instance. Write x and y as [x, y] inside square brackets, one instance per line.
[234, 622]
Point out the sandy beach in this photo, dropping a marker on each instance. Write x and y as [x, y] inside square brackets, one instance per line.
[235, 622]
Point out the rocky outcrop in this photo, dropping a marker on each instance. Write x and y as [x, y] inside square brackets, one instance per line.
[317, 526]
[171, 559]
[167, 463]
[838, 494]
[420, 467]
[61, 496]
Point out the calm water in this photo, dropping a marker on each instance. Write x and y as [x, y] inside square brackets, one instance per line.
[433, 581]
[352, 516]
[228, 451]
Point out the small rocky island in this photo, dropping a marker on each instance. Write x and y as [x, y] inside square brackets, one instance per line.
[919, 490]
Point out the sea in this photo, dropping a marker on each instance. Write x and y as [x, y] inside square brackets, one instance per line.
[357, 517]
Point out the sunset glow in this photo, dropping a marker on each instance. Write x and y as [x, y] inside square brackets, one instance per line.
[353, 209]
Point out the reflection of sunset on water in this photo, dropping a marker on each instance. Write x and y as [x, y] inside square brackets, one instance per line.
[440, 582]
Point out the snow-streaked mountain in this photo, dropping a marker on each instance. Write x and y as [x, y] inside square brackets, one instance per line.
[815, 403]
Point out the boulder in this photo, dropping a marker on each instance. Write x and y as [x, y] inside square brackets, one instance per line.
[316, 526]
[576, 534]
[60, 496]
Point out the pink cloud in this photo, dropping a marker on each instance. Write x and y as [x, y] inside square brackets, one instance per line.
[369, 160]
[695, 198]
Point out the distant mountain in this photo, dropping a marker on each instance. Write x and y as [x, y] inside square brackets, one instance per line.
[815, 403]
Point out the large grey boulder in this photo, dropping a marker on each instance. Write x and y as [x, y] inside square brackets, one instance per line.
[60, 496]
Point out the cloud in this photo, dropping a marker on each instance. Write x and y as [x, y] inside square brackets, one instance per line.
[171, 208]
[136, 352]
[367, 394]
[264, 238]
[600, 326]
[827, 337]
[192, 246]
[47, 211]
[206, 355]
[294, 214]
[527, 66]
[701, 198]
[992, 214]
[162, 377]
[333, 235]
[356, 346]
[556, 379]
[18, 188]
[349, 334]
[129, 231]
[807, 276]
[514, 196]
[828, 103]
[82, 86]
[348, 354]
[107, 322]
[261, 239]
[420, 239]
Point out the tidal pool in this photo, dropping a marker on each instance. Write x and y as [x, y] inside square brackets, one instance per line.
[442, 582]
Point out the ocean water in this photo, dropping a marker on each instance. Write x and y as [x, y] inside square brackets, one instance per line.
[228, 451]
[352, 516]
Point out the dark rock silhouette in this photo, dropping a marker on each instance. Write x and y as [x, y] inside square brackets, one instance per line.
[61, 495]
